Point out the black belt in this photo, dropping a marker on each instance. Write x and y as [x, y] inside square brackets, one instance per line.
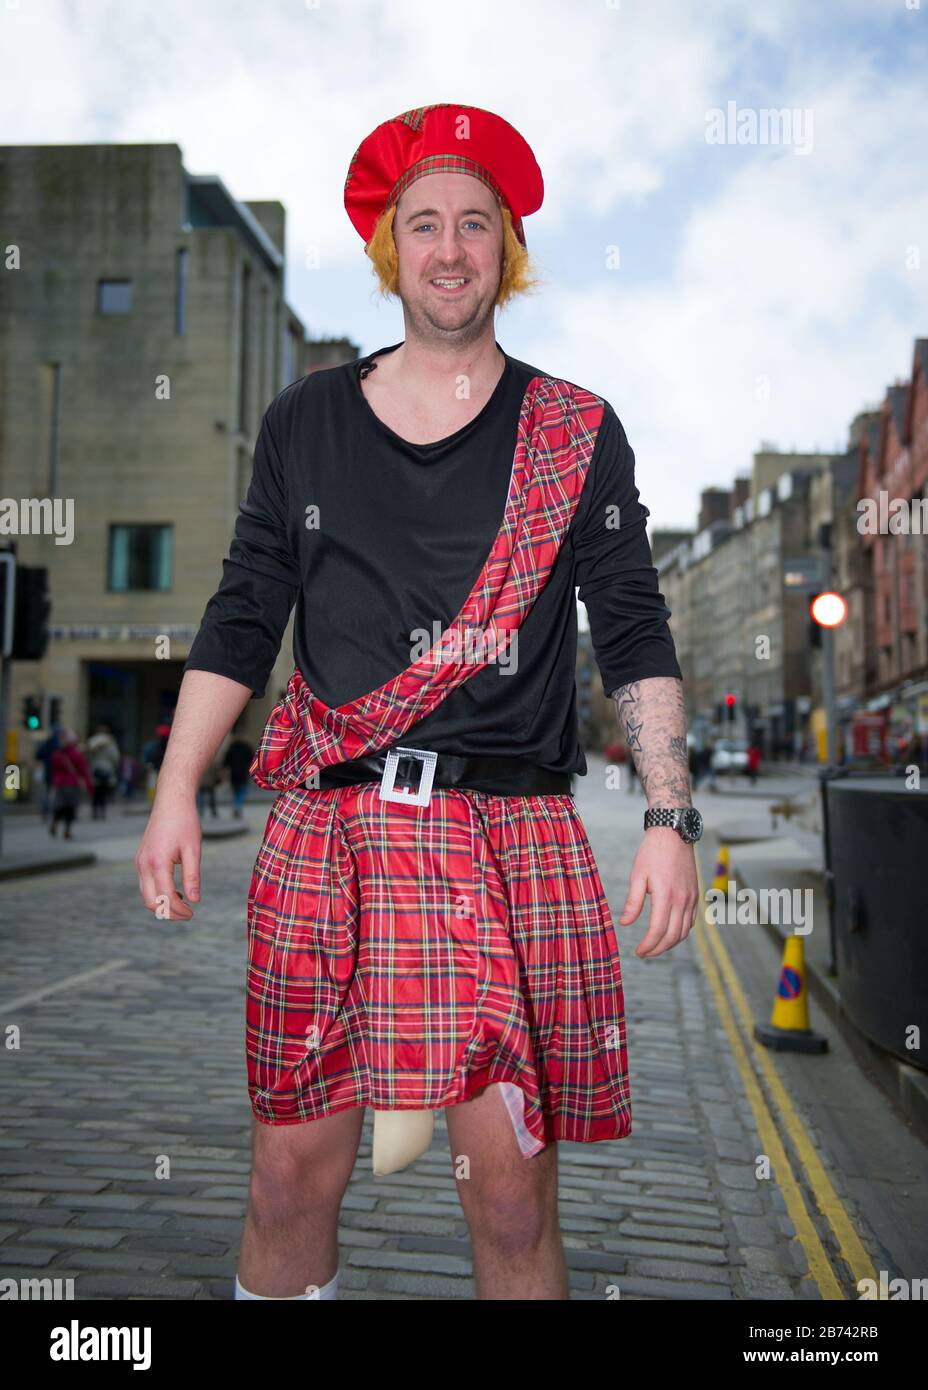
[496, 775]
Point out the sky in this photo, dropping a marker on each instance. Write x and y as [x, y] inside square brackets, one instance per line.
[722, 281]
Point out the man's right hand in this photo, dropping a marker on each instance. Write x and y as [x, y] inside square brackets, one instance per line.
[173, 836]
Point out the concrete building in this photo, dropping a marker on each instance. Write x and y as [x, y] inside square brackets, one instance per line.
[674, 578]
[143, 331]
[784, 572]
[739, 588]
[738, 591]
[758, 558]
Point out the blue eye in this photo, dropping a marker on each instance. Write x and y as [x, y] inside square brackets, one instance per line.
[423, 225]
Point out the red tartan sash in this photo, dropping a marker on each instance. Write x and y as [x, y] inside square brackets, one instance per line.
[558, 425]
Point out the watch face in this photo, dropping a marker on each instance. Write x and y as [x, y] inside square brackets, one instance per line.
[691, 822]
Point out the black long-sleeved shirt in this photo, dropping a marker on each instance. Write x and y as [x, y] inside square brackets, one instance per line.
[376, 539]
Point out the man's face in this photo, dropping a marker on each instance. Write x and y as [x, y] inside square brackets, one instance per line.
[448, 227]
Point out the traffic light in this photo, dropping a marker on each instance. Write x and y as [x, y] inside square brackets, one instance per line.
[30, 628]
[730, 703]
[32, 715]
[828, 609]
[54, 711]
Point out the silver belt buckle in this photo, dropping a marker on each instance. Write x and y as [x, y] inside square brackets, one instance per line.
[412, 796]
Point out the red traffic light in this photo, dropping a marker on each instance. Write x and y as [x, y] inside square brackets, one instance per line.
[731, 700]
[828, 609]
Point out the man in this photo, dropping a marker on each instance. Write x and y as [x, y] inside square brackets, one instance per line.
[238, 760]
[427, 928]
[43, 755]
[103, 756]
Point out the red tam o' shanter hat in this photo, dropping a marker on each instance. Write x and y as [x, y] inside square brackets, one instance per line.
[441, 139]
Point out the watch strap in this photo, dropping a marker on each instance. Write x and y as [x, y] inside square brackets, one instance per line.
[662, 815]
[675, 818]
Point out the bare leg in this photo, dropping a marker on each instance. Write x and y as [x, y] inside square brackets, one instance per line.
[299, 1173]
[509, 1201]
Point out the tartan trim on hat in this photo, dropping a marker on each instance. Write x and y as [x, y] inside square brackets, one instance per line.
[450, 164]
[351, 166]
[415, 117]
[442, 164]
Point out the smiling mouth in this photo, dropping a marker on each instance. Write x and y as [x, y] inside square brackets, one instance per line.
[450, 284]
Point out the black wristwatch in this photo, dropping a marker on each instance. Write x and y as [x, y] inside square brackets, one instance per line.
[685, 820]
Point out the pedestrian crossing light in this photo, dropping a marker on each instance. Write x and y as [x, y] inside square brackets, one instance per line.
[32, 715]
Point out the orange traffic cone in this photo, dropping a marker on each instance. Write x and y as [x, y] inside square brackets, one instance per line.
[788, 1029]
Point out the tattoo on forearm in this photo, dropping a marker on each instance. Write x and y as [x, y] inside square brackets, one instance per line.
[652, 717]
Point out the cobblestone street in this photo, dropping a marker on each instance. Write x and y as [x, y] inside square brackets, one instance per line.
[140, 1054]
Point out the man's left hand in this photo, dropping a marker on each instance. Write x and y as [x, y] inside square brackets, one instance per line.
[665, 867]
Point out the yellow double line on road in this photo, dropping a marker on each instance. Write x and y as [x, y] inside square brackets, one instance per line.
[752, 1059]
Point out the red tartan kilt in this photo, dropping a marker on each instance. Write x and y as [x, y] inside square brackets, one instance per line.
[407, 957]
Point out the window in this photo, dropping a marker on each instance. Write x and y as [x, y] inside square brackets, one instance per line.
[114, 296]
[140, 557]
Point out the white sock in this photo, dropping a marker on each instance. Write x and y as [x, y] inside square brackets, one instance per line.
[329, 1290]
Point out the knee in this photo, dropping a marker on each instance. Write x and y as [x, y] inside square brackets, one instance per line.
[285, 1187]
[510, 1217]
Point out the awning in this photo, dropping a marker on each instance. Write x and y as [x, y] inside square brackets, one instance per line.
[905, 692]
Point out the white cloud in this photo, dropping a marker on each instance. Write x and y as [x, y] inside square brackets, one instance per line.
[793, 271]
[745, 262]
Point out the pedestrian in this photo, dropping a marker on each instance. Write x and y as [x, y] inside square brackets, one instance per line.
[238, 760]
[753, 762]
[710, 764]
[103, 757]
[212, 776]
[153, 755]
[131, 772]
[70, 772]
[43, 756]
[427, 928]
